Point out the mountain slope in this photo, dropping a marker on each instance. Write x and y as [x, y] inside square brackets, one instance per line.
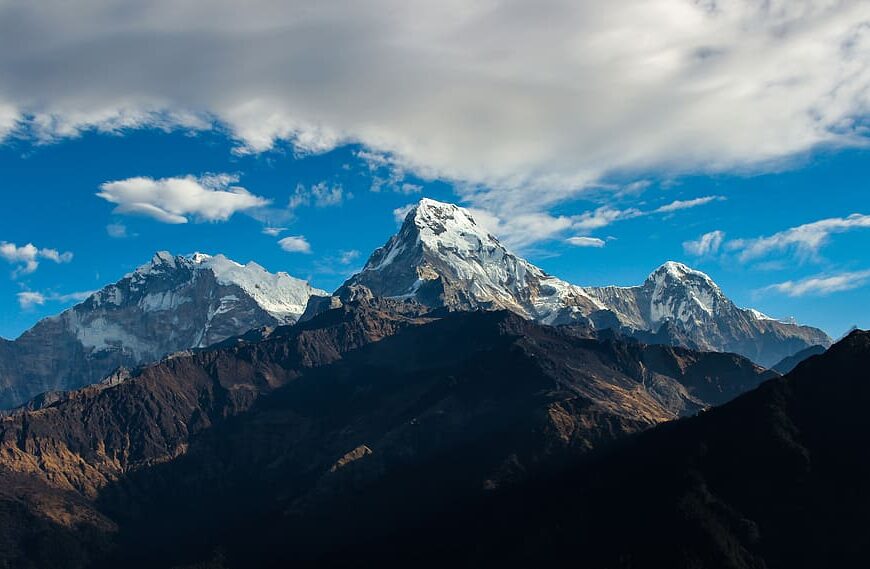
[441, 257]
[247, 447]
[169, 304]
[776, 479]
[786, 365]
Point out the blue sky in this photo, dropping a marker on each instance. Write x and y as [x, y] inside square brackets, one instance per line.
[599, 139]
[50, 196]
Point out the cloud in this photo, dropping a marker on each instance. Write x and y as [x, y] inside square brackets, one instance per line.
[117, 230]
[522, 230]
[295, 244]
[524, 106]
[822, 284]
[348, 257]
[29, 299]
[606, 215]
[274, 231]
[26, 257]
[400, 213]
[578, 241]
[805, 240]
[176, 200]
[707, 244]
[687, 204]
[321, 195]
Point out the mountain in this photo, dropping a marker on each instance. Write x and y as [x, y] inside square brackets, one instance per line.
[442, 258]
[785, 365]
[254, 449]
[171, 303]
[683, 306]
[777, 479]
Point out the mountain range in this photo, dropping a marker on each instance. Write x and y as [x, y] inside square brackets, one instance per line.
[382, 433]
[450, 404]
[440, 258]
[170, 304]
[279, 429]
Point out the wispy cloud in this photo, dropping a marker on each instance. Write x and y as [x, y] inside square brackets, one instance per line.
[117, 230]
[707, 244]
[26, 257]
[585, 242]
[677, 205]
[274, 231]
[822, 284]
[212, 197]
[804, 240]
[29, 299]
[321, 194]
[348, 257]
[295, 244]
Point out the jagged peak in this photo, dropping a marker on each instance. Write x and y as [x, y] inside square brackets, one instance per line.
[438, 224]
[680, 272]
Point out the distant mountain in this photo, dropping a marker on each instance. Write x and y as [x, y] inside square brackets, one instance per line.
[253, 449]
[682, 306]
[442, 258]
[778, 479]
[171, 303]
[785, 365]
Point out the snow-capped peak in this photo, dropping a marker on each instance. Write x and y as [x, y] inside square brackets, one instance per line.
[679, 271]
[440, 256]
[279, 294]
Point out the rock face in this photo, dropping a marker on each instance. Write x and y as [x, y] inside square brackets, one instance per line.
[169, 304]
[442, 258]
[254, 448]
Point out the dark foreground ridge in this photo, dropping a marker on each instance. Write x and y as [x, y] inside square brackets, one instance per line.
[327, 436]
[779, 478]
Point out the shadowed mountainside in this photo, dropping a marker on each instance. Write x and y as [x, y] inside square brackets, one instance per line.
[257, 439]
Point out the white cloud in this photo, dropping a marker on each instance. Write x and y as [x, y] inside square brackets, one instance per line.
[805, 240]
[522, 230]
[400, 213]
[26, 257]
[320, 194]
[29, 299]
[579, 241]
[525, 104]
[175, 200]
[295, 244]
[117, 230]
[822, 284]
[677, 205]
[707, 244]
[274, 231]
[604, 216]
[348, 257]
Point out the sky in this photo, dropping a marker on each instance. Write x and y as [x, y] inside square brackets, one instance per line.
[597, 139]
